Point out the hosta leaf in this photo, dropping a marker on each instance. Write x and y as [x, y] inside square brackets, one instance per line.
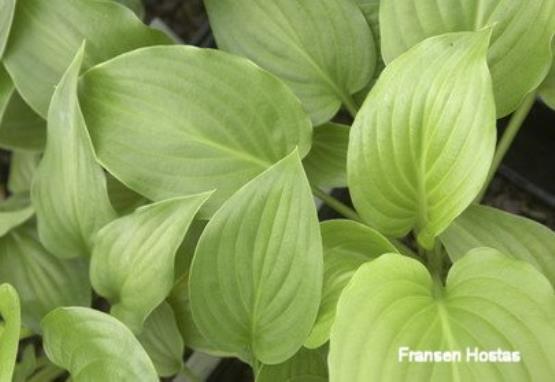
[9, 332]
[307, 44]
[133, 257]
[44, 282]
[22, 170]
[481, 226]
[347, 245]
[547, 88]
[256, 277]
[20, 127]
[220, 121]
[7, 10]
[305, 366]
[14, 211]
[490, 302]
[69, 191]
[94, 346]
[36, 60]
[162, 341]
[180, 303]
[326, 163]
[519, 55]
[422, 144]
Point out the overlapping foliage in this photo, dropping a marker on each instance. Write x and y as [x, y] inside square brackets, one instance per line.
[177, 184]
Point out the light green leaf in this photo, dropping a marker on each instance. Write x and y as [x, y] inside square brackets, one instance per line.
[133, 257]
[44, 282]
[524, 239]
[20, 127]
[22, 171]
[256, 277]
[308, 44]
[162, 341]
[180, 303]
[94, 346]
[305, 366]
[123, 199]
[547, 88]
[220, 121]
[9, 332]
[69, 191]
[46, 34]
[519, 55]
[422, 144]
[347, 245]
[14, 211]
[326, 163]
[7, 10]
[490, 302]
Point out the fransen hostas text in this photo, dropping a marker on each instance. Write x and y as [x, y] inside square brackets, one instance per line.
[470, 354]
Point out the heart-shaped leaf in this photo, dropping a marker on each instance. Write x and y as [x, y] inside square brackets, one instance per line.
[20, 127]
[256, 277]
[220, 121]
[14, 211]
[326, 163]
[162, 341]
[93, 346]
[69, 191]
[133, 257]
[305, 366]
[37, 60]
[9, 331]
[481, 226]
[22, 171]
[490, 303]
[44, 281]
[422, 144]
[519, 55]
[307, 44]
[347, 245]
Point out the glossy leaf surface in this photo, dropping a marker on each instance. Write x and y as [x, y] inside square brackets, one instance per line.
[162, 341]
[44, 281]
[133, 257]
[46, 34]
[347, 245]
[326, 163]
[220, 121]
[94, 346]
[69, 191]
[256, 277]
[519, 55]
[307, 44]
[422, 144]
[9, 332]
[519, 237]
[490, 302]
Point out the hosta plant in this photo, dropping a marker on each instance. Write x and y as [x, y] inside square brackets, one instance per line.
[161, 197]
